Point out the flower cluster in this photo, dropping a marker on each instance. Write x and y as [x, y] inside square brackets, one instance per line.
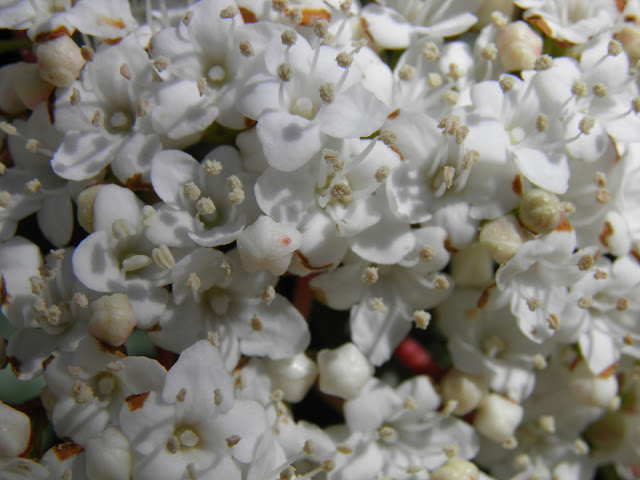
[473, 162]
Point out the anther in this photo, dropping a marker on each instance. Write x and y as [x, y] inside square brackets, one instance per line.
[553, 322]
[579, 89]
[181, 395]
[628, 340]
[499, 19]
[449, 124]
[547, 423]
[455, 72]
[295, 15]
[388, 137]
[622, 304]
[539, 362]
[430, 51]
[47, 272]
[81, 392]
[3, 169]
[542, 123]
[226, 267]
[74, 99]
[8, 128]
[163, 257]
[289, 37]
[600, 179]
[87, 53]
[98, 119]
[344, 449]
[507, 83]
[217, 397]
[586, 124]
[471, 157]
[125, 71]
[32, 145]
[287, 474]
[205, 206]
[246, 49]
[191, 192]
[191, 471]
[543, 62]
[308, 448]
[268, 295]
[450, 97]
[236, 195]
[142, 107]
[490, 52]
[586, 262]
[427, 253]
[341, 191]
[603, 195]
[327, 92]
[256, 323]
[534, 303]
[279, 5]
[410, 403]
[599, 90]
[580, 447]
[229, 12]
[461, 134]
[421, 319]
[585, 302]
[321, 28]
[5, 199]
[233, 440]
[406, 72]
[212, 167]
[434, 80]
[448, 174]
[81, 300]
[344, 59]
[382, 174]
[193, 282]
[328, 465]
[173, 445]
[614, 48]
[370, 275]
[214, 338]
[201, 84]
[32, 186]
[186, 20]
[345, 6]
[161, 63]
[285, 71]
[377, 304]
[635, 105]
[441, 282]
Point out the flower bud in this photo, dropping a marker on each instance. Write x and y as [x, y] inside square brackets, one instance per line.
[112, 319]
[15, 431]
[294, 376]
[629, 37]
[344, 371]
[456, 469]
[109, 456]
[59, 60]
[593, 390]
[503, 237]
[30, 87]
[518, 46]
[10, 102]
[540, 211]
[268, 245]
[498, 417]
[85, 201]
[466, 389]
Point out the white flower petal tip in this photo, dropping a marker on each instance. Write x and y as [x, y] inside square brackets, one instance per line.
[498, 418]
[294, 376]
[112, 319]
[344, 371]
[268, 245]
[15, 431]
[109, 456]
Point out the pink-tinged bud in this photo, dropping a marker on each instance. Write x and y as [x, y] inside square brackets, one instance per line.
[518, 46]
[344, 371]
[629, 37]
[112, 319]
[30, 87]
[294, 376]
[497, 417]
[506, 7]
[60, 61]
[15, 431]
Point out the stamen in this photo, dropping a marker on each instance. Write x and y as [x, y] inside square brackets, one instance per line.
[143, 108]
[246, 49]
[229, 12]
[163, 258]
[327, 92]
[378, 305]
[212, 167]
[431, 51]
[161, 63]
[543, 62]
[32, 186]
[88, 54]
[289, 37]
[422, 319]
[388, 137]
[382, 174]
[256, 323]
[285, 71]
[586, 262]
[370, 275]
[191, 191]
[406, 72]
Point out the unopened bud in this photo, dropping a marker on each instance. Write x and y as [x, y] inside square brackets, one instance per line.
[456, 469]
[518, 46]
[498, 417]
[293, 376]
[502, 238]
[540, 211]
[112, 319]
[344, 371]
[60, 61]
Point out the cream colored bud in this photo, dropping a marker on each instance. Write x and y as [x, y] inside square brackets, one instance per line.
[590, 389]
[466, 389]
[15, 431]
[497, 417]
[112, 319]
[518, 46]
[503, 237]
[629, 37]
[488, 7]
[85, 202]
[30, 87]
[540, 211]
[109, 456]
[293, 376]
[456, 469]
[343, 371]
[60, 61]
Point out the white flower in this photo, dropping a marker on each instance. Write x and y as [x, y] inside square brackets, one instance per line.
[15, 432]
